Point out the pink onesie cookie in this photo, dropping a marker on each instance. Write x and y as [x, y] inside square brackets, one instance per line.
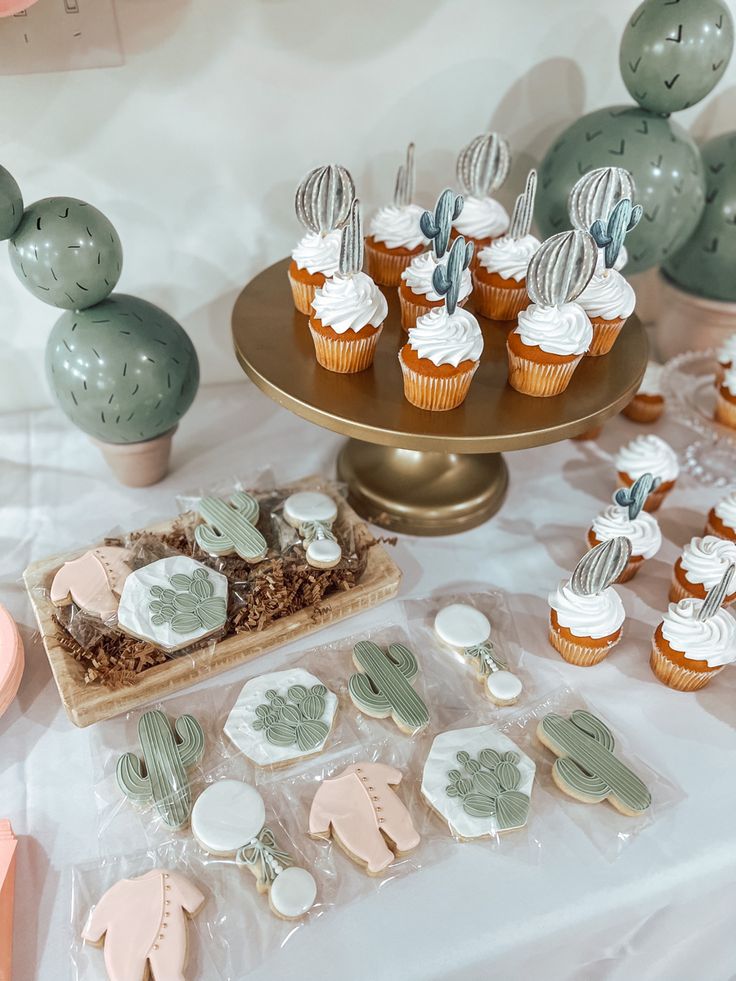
[94, 581]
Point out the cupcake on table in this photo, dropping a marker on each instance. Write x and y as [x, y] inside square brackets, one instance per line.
[626, 518]
[395, 235]
[648, 454]
[443, 350]
[417, 294]
[349, 310]
[322, 205]
[648, 404]
[553, 333]
[695, 640]
[701, 567]
[499, 276]
[586, 612]
[482, 167]
[721, 520]
[726, 399]
[726, 356]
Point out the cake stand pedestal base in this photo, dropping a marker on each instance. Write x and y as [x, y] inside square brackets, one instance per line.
[422, 493]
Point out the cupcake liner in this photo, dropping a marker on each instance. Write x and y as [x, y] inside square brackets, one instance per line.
[576, 652]
[536, 378]
[711, 529]
[499, 303]
[436, 394]
[639, 411]
[725, 412]
[678, 591]
[303, 294]
[605, 333]
[674, 676]
[345, 357]
[385, 268]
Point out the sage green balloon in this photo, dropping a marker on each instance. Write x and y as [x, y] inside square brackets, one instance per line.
[11, 204]
[123, 371]
[661, 157]
[66, 253]
[673, 52]
[706, 264]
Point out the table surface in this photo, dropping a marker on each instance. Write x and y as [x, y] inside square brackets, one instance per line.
[662, 910]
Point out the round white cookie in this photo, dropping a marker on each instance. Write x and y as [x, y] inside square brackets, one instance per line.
[461, 625]
[226, 816]
[292, 893]
[309, 506]
[503, 687]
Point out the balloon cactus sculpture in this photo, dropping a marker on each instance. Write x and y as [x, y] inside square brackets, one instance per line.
[121, 369]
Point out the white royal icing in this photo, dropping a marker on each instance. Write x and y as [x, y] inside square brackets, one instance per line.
[447, 338]
[726, 509]
[596, 616]
[503, 686]
[418, 277]
[643, 531]
[309, 506]
[318, 253]
[729, 381]
[398, 226]
[481, 218]
[648, 454]
[560, 330]
[227, 815]
[651, 383]
[712, 640]
[461, 625]
[293, 892]
[704, 560]
[608, 295]
[509, 257]
[727, 350]
[350, 303]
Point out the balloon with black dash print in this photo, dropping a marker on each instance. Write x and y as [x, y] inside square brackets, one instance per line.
[11, 204]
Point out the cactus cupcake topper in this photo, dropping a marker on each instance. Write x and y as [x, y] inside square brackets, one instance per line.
[714, 599]
[561, 268]
[323, 198]
[483, 165]
[634, 497]
[609, 235]
[447, 278]
[351, 242]
[521, 218]
[405, 180]
[438, 226]
[597, 193]
[600, 567]
[382, 687]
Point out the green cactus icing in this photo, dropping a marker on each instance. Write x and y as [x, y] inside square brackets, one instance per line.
[609, 235]
[231, 527]
[189, 605]
[382, 687]
[160, 777]
[447, 278]
[488, 786]
[294, 719]
[11, 204]
[438, 225]
[587, 767]
[634, 498]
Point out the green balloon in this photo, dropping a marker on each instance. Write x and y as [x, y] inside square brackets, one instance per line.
[11, 204]
[673, 52]
[661, 157]
[706, 264]
[66, 253]
[123, 371]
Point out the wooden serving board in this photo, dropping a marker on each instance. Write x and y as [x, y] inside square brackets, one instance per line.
[89, 703]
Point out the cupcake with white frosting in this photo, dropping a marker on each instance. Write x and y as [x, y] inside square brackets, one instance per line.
[482, 167]
[349, 310]
[443, 350]
[395, 235]
[721, 521]
[648, 403]
[648, 454]
[700, 568]
[322, 204]
[626, 518]
[726, 355]
[499, 276]
[586, 612]
[726, 399]
[553, 333]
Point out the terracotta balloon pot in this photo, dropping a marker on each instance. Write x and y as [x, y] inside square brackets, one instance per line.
[691, 323]
[138, 464]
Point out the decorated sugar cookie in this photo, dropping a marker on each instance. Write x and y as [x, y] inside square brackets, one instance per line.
[231, 527]
[382, 686]
[142, 923]
[281, 717]
[587, 767]
[228, 819]
[360, 811]
[94, 581]
[313, 514]
[468, 631]
[12, 659]
[479, 781]
[173, 603]
[160, 777]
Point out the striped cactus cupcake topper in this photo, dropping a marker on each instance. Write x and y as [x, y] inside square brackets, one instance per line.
[447, 277]
[323, 198]
[561, 268]
[483, 165]
[438, 225]
[405, 180]
[609, 234]
[351, 243]
[714, 600]
[600, 567]
[597, 193]
[634, 497]
[521, 218]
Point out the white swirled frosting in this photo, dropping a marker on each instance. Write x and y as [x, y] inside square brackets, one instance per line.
[726, 509]
[727, 350]
[350, 303]
[418, 277]
[729, 381]
[398, 227]
[621, 259]
[509, 257]
[643, 531]
[651, 383]
[712, 640]
[596, 616]
[648, 454]
[445, 338]
[608, 295]
[482, 218]
[704, 560]
[556, 330]
[318, 253]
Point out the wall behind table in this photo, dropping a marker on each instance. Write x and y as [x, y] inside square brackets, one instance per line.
[194, 147]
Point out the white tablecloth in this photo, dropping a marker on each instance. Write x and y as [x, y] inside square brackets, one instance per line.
[664, 909]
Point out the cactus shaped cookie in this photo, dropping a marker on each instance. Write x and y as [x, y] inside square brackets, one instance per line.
[487, 785]
[609, 235]
[588, 768]
[382, 687]
[231, 527]
[160, 777]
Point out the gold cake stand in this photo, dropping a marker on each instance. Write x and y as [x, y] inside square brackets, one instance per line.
[409, 470]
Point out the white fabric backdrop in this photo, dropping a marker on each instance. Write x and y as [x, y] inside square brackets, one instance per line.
[663, 910]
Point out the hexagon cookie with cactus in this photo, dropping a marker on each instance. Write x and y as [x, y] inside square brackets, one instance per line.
[173, 603]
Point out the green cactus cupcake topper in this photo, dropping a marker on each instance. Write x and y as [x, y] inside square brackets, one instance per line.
[405, 180]
[189, 605]
[294, 719]
[351, 242]
[634, 497]
[601, 566]
[597, 193]
[323, 198]
[714, 600]
[521, 217]
[609, 235]
[561, 268]
[483, 165]
[488, 786]
[437, 226]
[447, 278]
